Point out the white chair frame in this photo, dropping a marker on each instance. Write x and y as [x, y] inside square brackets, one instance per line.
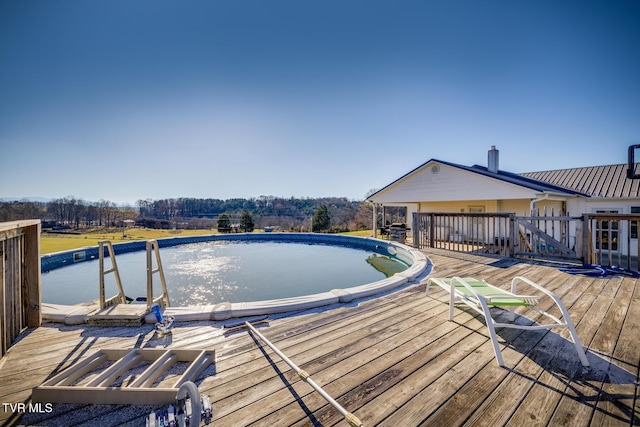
[481, 304]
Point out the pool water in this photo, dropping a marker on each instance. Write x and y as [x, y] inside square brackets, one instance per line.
[211, 273]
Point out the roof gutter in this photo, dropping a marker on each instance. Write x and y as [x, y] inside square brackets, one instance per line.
[548, 196]
[534, 201]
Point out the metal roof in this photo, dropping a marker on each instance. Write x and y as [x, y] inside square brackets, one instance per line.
[608, 181]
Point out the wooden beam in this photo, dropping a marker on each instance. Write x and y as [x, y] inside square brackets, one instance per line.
[12, 225]
[32, 279]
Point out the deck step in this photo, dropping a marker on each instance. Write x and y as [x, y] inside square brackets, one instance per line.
[119, 315]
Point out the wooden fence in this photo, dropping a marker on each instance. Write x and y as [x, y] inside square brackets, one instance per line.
[19, 279]
[605, 239]
[465, 232]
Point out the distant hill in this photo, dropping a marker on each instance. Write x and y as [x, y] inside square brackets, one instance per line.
[30, 199]
[266, 211]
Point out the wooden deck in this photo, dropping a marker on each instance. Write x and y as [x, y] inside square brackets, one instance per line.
[393, 360]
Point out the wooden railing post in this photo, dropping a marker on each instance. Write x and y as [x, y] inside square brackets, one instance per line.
[514, 242]
[32, 280]
[416, 230]
[586, 239]
[432, 230]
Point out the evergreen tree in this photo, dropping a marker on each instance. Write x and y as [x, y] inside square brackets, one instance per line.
[246, 222]
[321, 221]
[224, 223]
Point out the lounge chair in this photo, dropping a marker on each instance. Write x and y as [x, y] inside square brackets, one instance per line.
[480, 295]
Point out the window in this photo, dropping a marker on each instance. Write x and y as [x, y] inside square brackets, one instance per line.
[607, 232]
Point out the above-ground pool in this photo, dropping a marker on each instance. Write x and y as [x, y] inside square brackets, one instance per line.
[214, 272]
[245, 270]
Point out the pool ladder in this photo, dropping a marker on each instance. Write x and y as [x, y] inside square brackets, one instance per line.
[120, 297]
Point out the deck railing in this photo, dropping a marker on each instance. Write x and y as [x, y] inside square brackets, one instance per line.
[611, 239]
[548, 235]
[19, 279]
[465, 232]
[605, 239]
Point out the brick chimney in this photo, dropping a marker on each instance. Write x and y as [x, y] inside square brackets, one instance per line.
[493, 159]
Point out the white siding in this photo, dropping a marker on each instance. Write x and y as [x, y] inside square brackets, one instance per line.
[548, 206]
[440, 182]
[576, 206]
[518, 207]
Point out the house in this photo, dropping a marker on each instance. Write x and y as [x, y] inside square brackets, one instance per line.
[441, 186]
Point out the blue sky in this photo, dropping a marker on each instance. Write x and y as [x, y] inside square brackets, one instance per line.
[125, 100]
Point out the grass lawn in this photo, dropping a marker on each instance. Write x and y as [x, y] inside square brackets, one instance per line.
[50, 243]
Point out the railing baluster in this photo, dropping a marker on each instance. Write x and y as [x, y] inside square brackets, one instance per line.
[603, 238]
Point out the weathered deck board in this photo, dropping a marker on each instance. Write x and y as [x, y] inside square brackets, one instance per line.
[391, 360]
[607, 342]
[514, 391]
[559, 364]
[579, 397]
[335, 351]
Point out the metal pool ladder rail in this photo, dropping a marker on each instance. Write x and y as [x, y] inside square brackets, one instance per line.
[152, 246]
[120, 298]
